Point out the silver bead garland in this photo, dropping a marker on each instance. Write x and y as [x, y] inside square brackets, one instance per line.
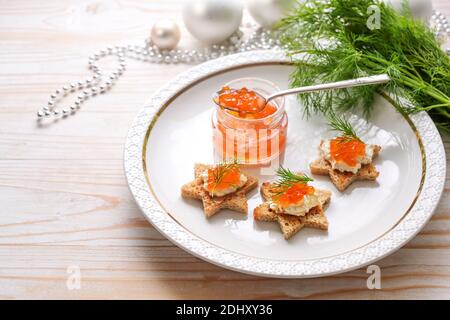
[99, 83]
[442, 26]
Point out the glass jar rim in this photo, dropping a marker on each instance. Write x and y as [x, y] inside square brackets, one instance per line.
[279, 105]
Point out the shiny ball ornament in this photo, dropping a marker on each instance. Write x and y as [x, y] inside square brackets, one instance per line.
[165, 34]
[269, 12]
[212, 21]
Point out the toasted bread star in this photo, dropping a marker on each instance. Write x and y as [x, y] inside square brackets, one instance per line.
[236, 201]
[343, 179]
[289, 224]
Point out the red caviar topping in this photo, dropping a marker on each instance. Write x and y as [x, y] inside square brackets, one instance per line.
[294, 194]
[223, 177]
[347, 150]
[245, 102]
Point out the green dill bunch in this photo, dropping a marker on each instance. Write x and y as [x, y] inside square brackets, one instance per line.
[337, 45]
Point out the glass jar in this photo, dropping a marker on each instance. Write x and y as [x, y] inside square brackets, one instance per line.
[250, 141]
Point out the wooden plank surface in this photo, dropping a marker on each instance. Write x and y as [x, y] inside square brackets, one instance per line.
[64, 201]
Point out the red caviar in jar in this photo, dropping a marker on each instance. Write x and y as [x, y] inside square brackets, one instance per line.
[245, 102]
[294, 194]
[347, 150]
[221, 178]
[252, 137]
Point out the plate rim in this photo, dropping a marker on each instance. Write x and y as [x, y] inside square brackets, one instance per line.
[395, 238]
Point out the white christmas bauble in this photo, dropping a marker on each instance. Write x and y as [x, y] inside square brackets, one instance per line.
[268, 12]
[212, 21]
[422, 9]
[165, 34]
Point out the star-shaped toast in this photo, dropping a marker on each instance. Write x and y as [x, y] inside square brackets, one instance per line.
[341, 179]
[289, 224]
[236, 201]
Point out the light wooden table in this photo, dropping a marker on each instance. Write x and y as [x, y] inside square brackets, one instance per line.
[64, 202]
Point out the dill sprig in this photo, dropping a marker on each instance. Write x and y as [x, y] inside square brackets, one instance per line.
[286, 179]
[403, 47]
[221, 169]
[343, 126]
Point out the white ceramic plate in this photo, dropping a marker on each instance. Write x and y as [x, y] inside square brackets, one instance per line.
[366, 222]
